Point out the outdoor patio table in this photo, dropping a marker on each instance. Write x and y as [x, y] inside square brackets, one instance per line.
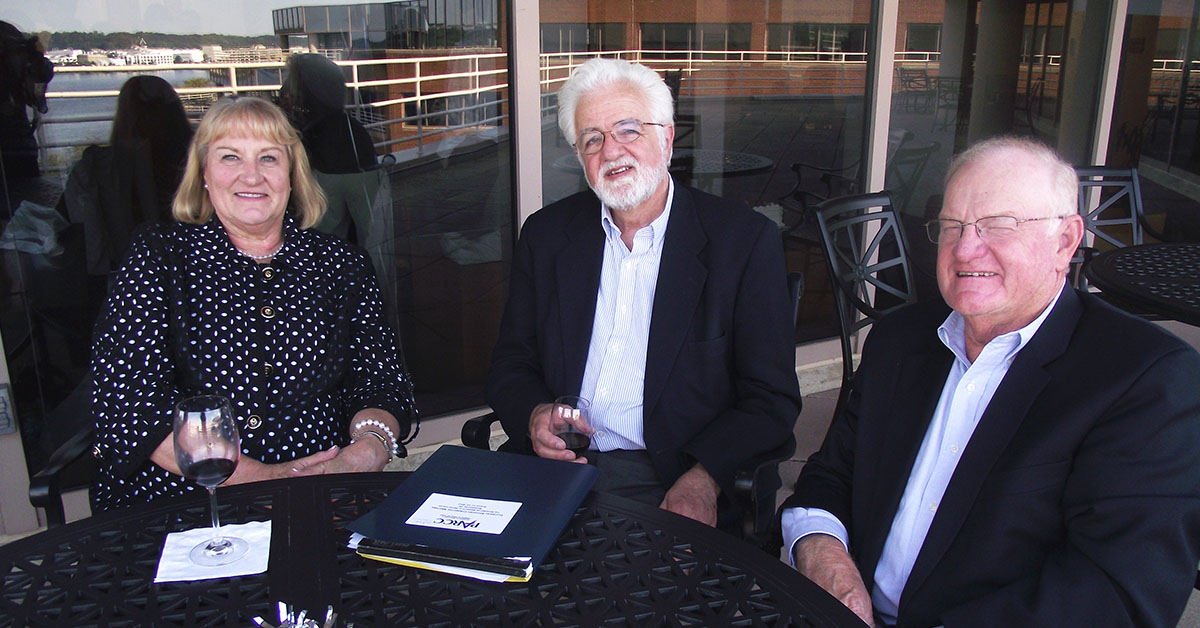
[1161, 279]
[617, 562]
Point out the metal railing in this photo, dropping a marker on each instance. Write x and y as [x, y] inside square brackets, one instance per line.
[408, 102]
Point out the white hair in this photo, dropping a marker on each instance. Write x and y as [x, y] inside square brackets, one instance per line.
[597, 73]
[1064, 182]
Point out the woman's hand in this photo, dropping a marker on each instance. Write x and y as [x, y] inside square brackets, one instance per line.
[366, 454]
[251, 470]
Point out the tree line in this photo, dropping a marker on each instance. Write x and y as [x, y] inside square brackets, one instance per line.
[116, 41]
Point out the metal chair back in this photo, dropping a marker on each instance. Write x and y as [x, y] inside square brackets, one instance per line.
[1110, 202]
[1117, 217]
[868, 261]
[904, 170]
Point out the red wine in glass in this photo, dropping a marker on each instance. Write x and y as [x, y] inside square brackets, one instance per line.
[577, 442]
[207, 446]
[210, 472]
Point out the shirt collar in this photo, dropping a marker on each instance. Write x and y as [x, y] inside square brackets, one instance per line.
[952, 334]
[658, 226]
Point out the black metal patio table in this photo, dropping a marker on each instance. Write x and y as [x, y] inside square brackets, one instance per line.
[1162, 279]
[617, 563]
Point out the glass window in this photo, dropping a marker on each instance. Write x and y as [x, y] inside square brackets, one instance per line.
[1154, 124]
[764, 114]
[564, 37]
[444, 244]
[923, 37]
[339, 18]
[817, 37]
[606, 37]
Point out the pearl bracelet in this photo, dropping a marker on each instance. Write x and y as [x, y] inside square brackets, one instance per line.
[391, 436]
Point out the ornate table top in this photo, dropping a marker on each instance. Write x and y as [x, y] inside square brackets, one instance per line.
[1160, 278]
[618, 562]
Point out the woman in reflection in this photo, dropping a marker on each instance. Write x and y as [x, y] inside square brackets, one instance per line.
[238, 297]
[114, 188]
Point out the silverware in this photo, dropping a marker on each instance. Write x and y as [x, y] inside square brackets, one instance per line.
[290, 618]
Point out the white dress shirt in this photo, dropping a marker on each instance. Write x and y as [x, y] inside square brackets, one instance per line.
[614, 377]
[965, 396]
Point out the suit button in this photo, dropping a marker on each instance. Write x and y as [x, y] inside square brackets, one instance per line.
[268, 272]
[268, 369]
[267, 312]
[253, 421]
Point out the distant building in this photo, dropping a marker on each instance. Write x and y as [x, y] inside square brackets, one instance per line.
[64, 57]
[257, 53]
[372, 28]
[139, 55]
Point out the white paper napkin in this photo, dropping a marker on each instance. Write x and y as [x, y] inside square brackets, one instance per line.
[174, 566]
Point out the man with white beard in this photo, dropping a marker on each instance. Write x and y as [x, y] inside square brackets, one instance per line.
[665, 306]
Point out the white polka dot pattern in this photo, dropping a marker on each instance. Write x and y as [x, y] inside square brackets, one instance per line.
[298, 345]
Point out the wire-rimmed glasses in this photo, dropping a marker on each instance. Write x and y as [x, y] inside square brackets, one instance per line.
[591, 141]
[988, 228]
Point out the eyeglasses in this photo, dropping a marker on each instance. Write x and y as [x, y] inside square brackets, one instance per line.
[989, 228]
[625, 131]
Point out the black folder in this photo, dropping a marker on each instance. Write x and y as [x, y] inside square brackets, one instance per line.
[549, 492]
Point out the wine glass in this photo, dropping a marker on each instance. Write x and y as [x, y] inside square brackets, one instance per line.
[569, 422]
[206, 448]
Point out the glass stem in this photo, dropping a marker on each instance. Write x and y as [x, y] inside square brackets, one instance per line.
[216, 518]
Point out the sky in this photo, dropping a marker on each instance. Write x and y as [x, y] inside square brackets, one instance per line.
[227, 17]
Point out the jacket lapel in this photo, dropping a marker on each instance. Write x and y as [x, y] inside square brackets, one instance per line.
[681, 277]
[578, 276]
[917, 387]
[1009, 407]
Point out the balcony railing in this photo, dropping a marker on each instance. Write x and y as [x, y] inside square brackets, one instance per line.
[421, 100]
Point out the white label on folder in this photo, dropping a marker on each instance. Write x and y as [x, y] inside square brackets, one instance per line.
[470, 514]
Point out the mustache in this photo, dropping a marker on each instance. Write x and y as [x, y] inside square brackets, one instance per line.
[621, 162]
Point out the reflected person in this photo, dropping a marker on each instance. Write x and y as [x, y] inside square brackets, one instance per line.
[1025, 459]
[239, 297]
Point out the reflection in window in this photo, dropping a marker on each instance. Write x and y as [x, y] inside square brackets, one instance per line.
[816, 37]
[407, 25]
[694, 37]
[582, 37]
[923, 38]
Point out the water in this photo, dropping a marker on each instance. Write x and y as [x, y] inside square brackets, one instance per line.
[81, 134]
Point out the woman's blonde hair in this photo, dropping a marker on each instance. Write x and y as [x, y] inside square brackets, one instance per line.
[247, 116]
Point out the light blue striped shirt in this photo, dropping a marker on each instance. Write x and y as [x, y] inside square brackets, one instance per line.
[614, 378]
[965, 396]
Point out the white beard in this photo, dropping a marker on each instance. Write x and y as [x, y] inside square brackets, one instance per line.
[632, 191]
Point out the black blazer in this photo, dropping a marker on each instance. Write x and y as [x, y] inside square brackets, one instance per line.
[1076, 501]
[720, 381]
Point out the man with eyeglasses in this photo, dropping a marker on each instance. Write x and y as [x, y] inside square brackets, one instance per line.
[1030, 458]
[665, 306]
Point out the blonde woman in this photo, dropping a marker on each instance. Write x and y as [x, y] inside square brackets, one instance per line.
[238, 297]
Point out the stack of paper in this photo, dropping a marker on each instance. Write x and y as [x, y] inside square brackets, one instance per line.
[476, 513]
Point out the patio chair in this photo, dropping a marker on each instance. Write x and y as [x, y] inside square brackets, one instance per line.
[916, 89]
[755, 484]
[837, 181]
[904, 171]
[867, 256]
[686, 124]
[949, 91]
[1110, 202]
